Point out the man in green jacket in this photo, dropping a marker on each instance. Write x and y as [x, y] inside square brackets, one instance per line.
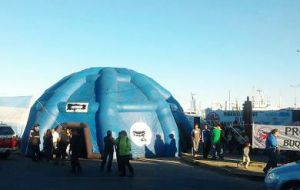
[215, 140]
[124, 151]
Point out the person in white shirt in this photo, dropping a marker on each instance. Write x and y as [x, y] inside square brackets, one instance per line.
[55, 137]
[196, 138]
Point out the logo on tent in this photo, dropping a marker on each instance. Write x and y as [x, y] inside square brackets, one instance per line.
[77, 107]
[141, 134]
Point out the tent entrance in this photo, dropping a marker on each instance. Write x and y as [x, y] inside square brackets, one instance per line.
[85, 136]
[83, 152]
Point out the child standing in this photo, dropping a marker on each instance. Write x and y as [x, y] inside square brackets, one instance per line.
[246, 157]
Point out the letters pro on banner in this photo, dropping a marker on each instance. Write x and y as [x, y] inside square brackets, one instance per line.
[289, 138]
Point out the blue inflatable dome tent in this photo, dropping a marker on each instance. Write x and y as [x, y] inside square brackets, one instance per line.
[96, 100]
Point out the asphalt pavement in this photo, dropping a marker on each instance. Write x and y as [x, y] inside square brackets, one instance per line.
[19, 172]
[230, 165]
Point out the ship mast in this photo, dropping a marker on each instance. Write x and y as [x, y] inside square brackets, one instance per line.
[193, 103]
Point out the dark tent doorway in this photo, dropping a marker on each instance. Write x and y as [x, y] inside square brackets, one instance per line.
[84, 132]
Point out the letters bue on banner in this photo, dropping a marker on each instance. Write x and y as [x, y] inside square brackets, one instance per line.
[289, 138]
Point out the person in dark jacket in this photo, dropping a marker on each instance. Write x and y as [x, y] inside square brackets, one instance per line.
[159, 146]
[63, 143]
[34, 142]
[48, 145]
[206, 141]
[172, 148]
[108, 151]
[75, 149]
[272, 150]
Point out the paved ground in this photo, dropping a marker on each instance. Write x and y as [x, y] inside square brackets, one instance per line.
[20, 173]
[229, 165]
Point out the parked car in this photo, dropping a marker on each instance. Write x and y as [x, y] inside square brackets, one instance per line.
[8, 140]
[286, 177]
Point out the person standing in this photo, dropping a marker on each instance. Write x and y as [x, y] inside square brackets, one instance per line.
[246, 157]
[63, 143]
[196, 137]
[34, 140]
[55, 138]
[272, 150]
[171, 148]
[75, 149]
[117, 152]
[159, 146]
[215, 140]
[108, 151]
[68, 147]
[223, 142]
[125, 154]
[48, 145]
[206, 141]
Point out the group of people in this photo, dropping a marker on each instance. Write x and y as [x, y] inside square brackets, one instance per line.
[214, 140]
[210, 139]
[122, 146]
[56, 144]
[55, 147]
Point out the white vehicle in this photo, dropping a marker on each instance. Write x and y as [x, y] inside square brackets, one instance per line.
[286, 177]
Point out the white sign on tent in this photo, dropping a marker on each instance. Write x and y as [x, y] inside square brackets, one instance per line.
[77, 107]
[289, 138]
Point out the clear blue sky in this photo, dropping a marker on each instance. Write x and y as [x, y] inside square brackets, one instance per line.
[205, 47]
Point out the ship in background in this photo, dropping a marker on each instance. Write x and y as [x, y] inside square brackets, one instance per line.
[195, 115]
[263, 112]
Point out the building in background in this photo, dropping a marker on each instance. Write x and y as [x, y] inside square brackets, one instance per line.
[14, 111]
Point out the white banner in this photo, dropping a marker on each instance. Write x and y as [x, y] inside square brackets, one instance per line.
[289, 138]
